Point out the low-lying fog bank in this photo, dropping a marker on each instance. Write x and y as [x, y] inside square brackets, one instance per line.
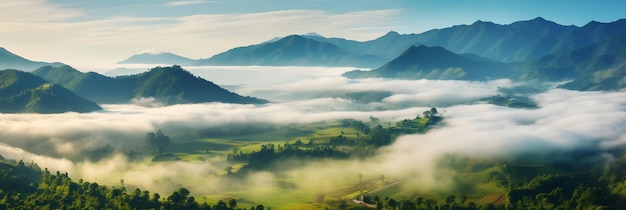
[564, 122]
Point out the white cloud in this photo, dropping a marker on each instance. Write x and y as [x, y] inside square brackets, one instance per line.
[185, 3]
[34, 11]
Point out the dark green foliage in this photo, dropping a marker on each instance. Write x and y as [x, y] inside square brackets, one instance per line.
[24, 92]
[157, 140]
[168, 85]
[510, 101]
[293, 50]
[27, 187]
[566, 191]
[436, 63]
[516, 97]
[585, 187]
[91, 85]
[582, 186]
[270, 155]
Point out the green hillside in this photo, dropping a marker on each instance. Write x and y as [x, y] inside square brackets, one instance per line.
[168, 85]
[22, 92]
[173, 85]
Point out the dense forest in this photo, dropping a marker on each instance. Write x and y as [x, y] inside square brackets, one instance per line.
[25, 186]
[585, 187]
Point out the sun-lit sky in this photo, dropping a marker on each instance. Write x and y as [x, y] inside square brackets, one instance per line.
[86, 34]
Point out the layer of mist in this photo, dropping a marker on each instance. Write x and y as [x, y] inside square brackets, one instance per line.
[92, 146]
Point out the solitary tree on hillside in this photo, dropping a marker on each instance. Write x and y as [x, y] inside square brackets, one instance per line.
[426, 114]
[433, 111]
[157, 140]
[232, 203]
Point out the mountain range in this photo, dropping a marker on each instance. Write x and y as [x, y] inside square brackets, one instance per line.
[592, 57]
[535, 49]
[516, 42]
[167, 85]
[23, 92]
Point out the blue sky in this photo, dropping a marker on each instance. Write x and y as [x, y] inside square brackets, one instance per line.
[92, 33]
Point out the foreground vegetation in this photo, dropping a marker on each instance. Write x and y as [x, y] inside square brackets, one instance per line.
[28, 187]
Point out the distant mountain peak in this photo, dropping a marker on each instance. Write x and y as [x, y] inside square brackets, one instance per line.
[312, 34]
[294, 36]
[482, 22]
[13, 61]
[157, 57]
[153, 52]
[540, 18]
[392, 33]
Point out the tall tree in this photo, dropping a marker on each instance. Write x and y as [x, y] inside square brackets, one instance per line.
[157, 140]
[232, 203]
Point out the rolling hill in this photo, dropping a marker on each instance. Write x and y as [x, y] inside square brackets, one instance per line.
[422, 62]
[172, 85]
[23, 92]
[90, 85]
[8, 60]
[294, 50]
[168, 85]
